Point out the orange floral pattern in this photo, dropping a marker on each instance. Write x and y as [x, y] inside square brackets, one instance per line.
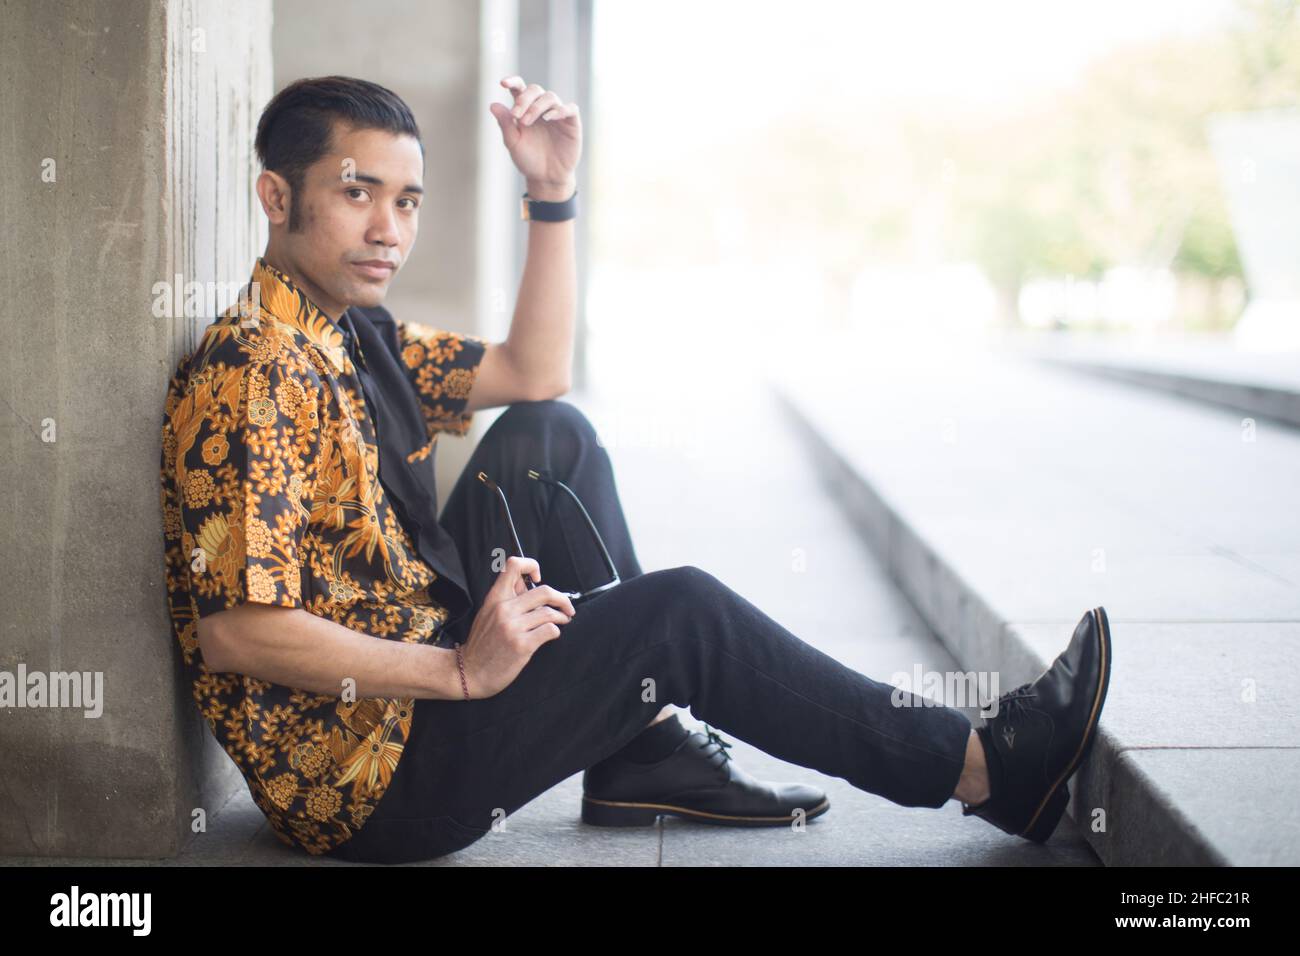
[436, 363]
[270, 493]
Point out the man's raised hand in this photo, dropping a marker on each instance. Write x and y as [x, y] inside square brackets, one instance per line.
[543, 135]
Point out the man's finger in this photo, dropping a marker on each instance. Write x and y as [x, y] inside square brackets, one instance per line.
[525, 567]
[521, 587]
[525, 99]
[543, 633]
[538, 106]
[544, 594]
[510, 579]
[543, 615]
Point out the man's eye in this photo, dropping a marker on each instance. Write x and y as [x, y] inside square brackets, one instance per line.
[355, 189]
[414, 204]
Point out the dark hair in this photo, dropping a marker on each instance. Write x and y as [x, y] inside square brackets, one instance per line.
[295, 129]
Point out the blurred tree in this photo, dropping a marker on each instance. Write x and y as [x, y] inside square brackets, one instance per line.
[1116, 170]
[1120, 171]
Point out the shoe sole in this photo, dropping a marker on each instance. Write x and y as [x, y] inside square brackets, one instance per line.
[613, 813]
[1057, 799]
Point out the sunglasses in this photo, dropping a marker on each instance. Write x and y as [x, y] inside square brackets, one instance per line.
[545, 477]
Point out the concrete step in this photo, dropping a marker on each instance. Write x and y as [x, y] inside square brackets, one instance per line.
[1259, 386]
[1005, 499]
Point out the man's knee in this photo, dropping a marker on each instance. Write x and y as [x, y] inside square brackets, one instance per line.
[550, 412]
[689, 590]
[525, 427]
[692, 580]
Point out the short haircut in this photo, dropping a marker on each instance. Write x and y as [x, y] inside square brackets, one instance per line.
[295, 129]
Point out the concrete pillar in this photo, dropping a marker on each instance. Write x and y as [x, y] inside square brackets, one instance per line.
[127, 147]
[555, 51]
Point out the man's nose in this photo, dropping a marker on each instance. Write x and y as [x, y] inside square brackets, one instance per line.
[383, 228]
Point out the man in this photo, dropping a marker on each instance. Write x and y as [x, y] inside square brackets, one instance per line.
[391, 686]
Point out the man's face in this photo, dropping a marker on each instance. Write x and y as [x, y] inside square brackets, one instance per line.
[359, 210]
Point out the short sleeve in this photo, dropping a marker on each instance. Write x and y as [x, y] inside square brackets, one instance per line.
[247, 449]
[442, 366]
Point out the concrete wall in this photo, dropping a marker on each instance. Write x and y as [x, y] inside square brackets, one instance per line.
[127, 142]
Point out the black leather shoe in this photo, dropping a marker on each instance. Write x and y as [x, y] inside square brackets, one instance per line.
[698, 781]
[1041, 733]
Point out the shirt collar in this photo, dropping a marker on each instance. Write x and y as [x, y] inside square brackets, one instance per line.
[291, 306]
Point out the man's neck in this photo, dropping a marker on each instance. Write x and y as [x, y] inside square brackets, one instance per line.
[330, 310]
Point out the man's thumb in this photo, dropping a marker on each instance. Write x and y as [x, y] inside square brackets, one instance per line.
[505, 119]
[510, 578]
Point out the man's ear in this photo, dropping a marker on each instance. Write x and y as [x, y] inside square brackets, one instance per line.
[275, 195]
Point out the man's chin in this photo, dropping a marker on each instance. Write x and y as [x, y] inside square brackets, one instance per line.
[369, 295]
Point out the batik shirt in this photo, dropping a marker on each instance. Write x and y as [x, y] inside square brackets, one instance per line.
[271, 494]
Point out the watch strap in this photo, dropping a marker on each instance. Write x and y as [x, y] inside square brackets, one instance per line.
[540, 210]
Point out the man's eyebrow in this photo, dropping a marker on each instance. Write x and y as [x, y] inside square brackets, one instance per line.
[376, 181]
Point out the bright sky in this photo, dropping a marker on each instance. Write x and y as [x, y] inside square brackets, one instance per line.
[704, 66]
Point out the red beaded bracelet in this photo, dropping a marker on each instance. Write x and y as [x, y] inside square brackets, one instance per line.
[460, 661]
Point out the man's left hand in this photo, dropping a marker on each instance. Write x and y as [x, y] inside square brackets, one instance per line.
[544, 137]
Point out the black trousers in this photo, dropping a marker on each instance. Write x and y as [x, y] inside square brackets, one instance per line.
[677, 635]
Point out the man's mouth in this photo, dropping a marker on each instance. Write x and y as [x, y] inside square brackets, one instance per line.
[376, 268]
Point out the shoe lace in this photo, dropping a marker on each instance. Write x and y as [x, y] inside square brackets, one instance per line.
[720, 746]
[1013, 702]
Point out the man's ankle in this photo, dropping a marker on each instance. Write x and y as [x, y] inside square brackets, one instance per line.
[974, 787]
[663, 715]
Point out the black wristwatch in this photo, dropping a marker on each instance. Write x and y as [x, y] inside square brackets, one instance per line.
[539, 210]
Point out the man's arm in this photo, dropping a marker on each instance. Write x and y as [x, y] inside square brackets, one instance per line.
[535, 361]
[543, 135]
[293, 647]
[455, 375]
